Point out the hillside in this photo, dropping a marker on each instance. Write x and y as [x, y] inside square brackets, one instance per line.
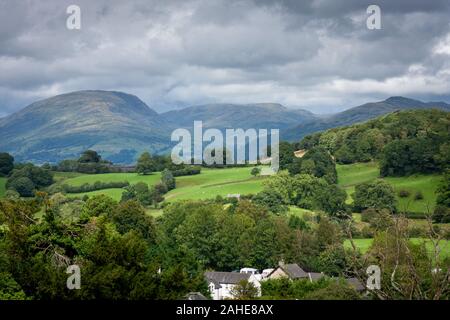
[411, 141]
[359, 114]
[352, 174]
[221, 116]
[63, 126]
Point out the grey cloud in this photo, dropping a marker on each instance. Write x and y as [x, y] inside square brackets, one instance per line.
[177, 53]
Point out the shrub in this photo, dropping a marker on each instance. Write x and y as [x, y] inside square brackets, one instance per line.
[168, 179]
[417, 232]
[255, 171]
[98, 185]
[23, 185]
[6, 164]
[12, 194]
[418, 195]
[187, 171]
[368, 214]
[441, 214]
[404, 193]
[367, 232]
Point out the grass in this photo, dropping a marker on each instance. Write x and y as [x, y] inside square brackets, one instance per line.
[206, 185]
[364, 244]
[213, 182]
[426, 184]
[59, 177]
[116, 194]
[155, 213]
[2, 187]
[351, 175]
[299, 212]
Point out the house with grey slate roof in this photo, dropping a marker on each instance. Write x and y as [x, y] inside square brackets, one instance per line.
[220, 284]
[293, 272]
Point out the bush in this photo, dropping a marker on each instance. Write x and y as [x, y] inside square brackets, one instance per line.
[404, 193]
[6, 164]
[336, 290]
[367, 232]
[187, 171]
[23, 185]
[168, 179]
[12, 194]
[417, 232]
[98, 185]
[368, 214]
[418, 196]
[441, 214]
[255, 171]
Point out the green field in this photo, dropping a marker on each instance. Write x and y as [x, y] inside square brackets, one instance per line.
[213, 182]
[300, 212]
[2, 186]
[132, 178]
[207, 185]
[364, 244]
[353, 174]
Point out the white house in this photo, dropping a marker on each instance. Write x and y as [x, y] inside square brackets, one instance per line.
[220, 284]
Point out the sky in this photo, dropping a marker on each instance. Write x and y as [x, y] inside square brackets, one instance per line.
[317, 54]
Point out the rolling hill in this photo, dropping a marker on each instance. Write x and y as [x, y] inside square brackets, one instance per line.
[63, 126]
[221, 116]
[359, 114]
[120, 126]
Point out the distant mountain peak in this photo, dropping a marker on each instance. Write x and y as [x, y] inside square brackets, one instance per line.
[396, 100]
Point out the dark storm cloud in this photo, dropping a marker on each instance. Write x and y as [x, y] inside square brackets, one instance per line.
[316, 54]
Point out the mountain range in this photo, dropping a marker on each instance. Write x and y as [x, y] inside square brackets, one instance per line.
[120, 126]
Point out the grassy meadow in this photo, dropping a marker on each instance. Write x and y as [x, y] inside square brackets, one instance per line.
[206, 185]
[351, 175]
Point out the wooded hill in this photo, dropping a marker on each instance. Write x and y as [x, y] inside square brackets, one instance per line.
[404, 142]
